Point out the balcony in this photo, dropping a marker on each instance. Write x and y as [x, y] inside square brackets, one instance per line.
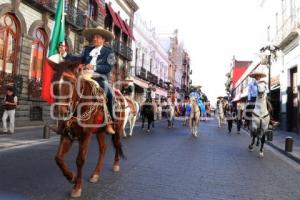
[74, 16]
[288, 31]
[6, 78]
[142, 73]
[121, 49]
[34, 88]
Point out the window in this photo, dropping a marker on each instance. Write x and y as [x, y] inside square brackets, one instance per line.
[9, 37]
[38, 53]
[93, 9]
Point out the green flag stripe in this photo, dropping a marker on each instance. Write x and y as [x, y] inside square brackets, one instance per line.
[58, 32]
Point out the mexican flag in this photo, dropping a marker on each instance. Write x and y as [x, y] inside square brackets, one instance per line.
[57, 36]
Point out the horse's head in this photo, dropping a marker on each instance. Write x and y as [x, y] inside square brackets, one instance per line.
[261, 89]
[64, 85]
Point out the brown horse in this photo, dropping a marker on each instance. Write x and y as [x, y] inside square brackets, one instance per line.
[81, 107]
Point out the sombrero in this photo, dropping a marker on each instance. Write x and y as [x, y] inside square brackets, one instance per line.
[129, 79]
[88, 33]
[259, 74]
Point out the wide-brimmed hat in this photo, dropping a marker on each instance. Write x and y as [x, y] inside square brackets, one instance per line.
[220, 97]
[257, 74]
[129, 79]
[106, 34]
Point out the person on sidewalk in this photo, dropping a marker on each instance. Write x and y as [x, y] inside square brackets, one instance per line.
[10, 104]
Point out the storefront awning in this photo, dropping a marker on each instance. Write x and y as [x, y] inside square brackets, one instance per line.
[140, 83]
[161, 92]
[100, 8]
[114, 17]
[123, 27]
[129, 30]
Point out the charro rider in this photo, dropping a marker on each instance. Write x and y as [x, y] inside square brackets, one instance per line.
[252, 94]
[98, 60]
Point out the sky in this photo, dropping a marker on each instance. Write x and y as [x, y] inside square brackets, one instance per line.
[212, 32]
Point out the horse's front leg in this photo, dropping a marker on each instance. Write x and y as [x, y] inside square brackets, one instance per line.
[143, 121]
[118, 151]
[63, 149]
[132, 124]
[102, 149]
[252, 143]
[84, 142]
[149, 124]
[263, 139]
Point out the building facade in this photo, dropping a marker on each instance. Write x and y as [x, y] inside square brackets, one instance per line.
[282, 19]
[150, 63]
[179, 64]
[25, 30]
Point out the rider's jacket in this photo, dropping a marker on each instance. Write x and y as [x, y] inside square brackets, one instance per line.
[104, 61]
[252, 90]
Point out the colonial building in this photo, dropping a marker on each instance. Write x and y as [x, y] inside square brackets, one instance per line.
[150, 63]
[179, 64]
[282, 19]
[25, 29]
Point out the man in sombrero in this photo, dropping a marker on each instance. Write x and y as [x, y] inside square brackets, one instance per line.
[99, 59]
[253, 92]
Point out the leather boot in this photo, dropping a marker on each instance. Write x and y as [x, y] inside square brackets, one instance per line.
[109, 128]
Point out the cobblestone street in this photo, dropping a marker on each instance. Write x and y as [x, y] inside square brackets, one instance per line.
[167, 164]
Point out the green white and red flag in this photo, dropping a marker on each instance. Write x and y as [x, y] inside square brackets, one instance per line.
[57, 36]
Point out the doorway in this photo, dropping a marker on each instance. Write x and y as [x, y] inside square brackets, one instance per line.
[293, 102]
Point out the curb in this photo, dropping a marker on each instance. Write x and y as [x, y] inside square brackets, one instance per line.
[278, 149]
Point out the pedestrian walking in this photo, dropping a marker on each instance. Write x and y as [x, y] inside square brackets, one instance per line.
[239, 117]
[10, 104]
[229, 114]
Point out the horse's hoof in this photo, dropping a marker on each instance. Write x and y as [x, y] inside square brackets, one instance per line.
[76, 193]
[94, 178]
[116, 168]
[261, 154]
[73, 179]
[250, 148]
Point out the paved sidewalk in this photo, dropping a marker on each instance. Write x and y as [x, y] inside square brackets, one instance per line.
[23, 136]
[278, 143]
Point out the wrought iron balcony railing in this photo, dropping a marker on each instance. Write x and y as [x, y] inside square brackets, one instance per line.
[121, 49]
[74, 16]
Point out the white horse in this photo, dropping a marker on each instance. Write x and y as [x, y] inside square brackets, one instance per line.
[194, 117]
[260, 117]
[220, 112]
[170, 111]
[131, 117]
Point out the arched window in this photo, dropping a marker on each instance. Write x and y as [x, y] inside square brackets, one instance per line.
[38, 53]
[9, 37]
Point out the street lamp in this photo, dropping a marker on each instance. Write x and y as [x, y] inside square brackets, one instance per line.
[269, 51]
